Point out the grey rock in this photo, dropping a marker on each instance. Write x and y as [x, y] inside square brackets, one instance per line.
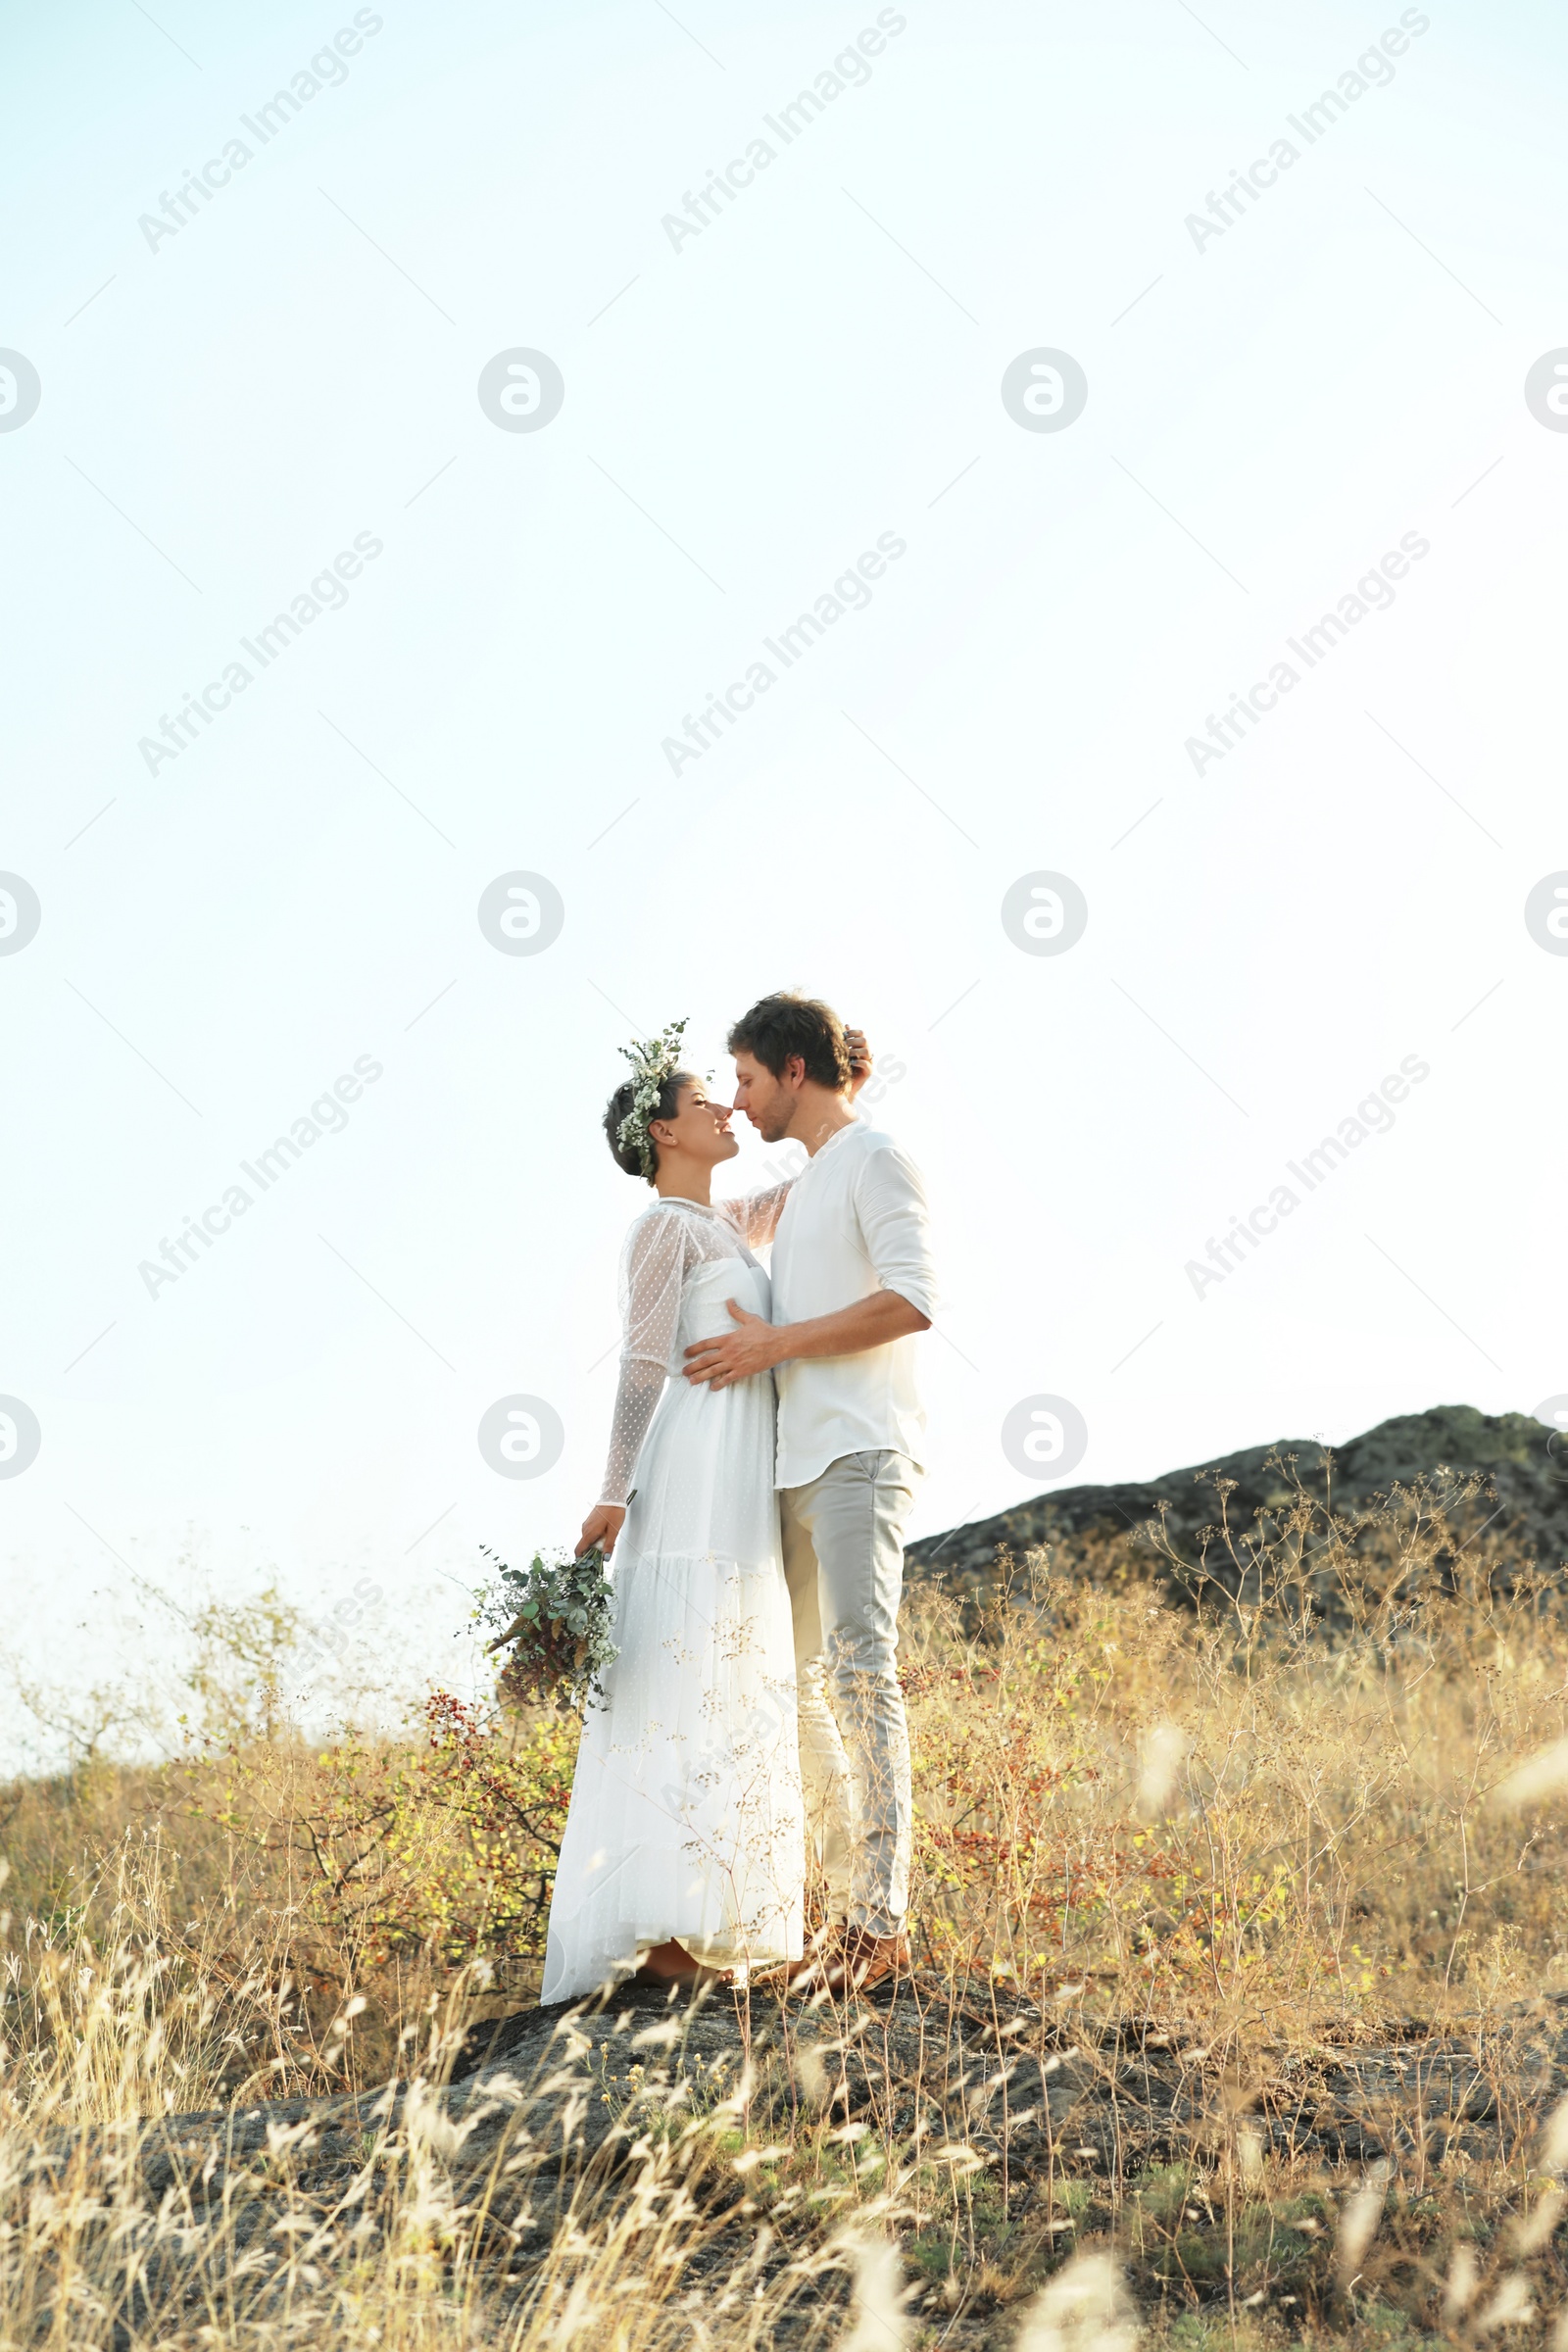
[1527, 1507]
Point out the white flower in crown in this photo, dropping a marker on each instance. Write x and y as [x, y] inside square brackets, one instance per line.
[653, 1061]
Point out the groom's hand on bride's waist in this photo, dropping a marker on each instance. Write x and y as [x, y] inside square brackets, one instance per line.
[737, 1354]
[870, 1322]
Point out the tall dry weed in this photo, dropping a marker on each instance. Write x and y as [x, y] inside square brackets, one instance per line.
[1300, 1799]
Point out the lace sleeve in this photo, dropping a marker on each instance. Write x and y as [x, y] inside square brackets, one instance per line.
[651, 1272]
[755, 1217]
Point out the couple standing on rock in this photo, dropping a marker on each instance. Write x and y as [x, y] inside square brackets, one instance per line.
[753, 1703]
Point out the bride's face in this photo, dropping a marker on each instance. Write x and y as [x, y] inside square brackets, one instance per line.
[699, 1130]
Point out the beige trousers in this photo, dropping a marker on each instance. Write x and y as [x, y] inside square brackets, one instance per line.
[844, 1565]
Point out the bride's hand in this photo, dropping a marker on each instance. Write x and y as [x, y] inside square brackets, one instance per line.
[860, 1059]
[601, 1526]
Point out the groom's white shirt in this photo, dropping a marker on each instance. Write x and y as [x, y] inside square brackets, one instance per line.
[855, 1221]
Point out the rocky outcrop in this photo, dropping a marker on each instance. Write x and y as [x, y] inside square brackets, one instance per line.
[758, 2127]
[1526, 1510]
[547, 2099]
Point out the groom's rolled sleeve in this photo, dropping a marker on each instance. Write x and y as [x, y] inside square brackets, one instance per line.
[896, 1222]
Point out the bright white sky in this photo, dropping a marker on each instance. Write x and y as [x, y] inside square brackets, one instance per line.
[1267, 416]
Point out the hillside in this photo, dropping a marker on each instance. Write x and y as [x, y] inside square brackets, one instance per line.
[1529, 1495]
[1238, 2020]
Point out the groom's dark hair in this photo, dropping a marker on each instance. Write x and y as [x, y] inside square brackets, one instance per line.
[783, 1026]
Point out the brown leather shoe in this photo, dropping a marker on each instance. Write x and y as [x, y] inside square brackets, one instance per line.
[866, 1961]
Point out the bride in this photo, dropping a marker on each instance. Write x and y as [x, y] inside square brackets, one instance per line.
[684, 1846]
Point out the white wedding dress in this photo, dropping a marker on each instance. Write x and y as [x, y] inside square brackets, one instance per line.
[686, 1818]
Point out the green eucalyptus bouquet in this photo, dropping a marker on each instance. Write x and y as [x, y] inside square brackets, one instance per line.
[557, 1615]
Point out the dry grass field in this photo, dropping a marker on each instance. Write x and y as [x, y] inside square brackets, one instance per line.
[1240, 1927]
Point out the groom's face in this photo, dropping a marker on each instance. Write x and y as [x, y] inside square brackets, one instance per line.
[766, 1100]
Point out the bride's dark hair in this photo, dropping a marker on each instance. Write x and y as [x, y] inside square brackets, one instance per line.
[620, 1102]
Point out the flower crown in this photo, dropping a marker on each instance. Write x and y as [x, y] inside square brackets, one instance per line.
[654, 1061]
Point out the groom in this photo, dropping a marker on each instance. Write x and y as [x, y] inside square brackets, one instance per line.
[853, 1284]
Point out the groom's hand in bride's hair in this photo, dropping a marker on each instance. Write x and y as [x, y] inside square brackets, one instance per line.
[860, 1059]
[736, 1354]
[601, 1526]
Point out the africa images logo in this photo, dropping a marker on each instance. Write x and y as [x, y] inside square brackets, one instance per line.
[327, 1116]
[849, 593]
[1372, 1115]
[20, 390]
[20, 914]
[326, 70]
[1373, 593]
[1373, 70]
[328, 592]
[850, 70]
[522, 390]
[20, 1436]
